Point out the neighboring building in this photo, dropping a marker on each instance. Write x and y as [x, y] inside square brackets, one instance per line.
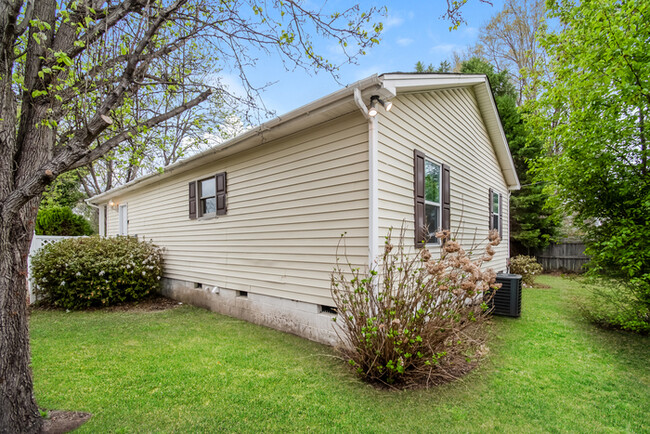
[251, 227]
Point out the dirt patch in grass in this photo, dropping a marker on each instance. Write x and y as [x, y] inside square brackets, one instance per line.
[155, 303]
[59, 422]
[151, 304]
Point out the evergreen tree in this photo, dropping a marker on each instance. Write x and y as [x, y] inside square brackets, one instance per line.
[532, 224]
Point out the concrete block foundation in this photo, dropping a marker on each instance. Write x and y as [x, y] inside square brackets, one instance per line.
[291, 316]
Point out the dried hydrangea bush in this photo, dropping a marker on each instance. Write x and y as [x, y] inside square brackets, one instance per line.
[416, 320]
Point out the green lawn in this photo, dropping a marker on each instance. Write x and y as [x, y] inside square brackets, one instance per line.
[190, 370]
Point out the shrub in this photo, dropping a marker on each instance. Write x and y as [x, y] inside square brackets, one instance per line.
[419, 321]
[527, 266]
[77, 273]
[60, 220]
[618, 304]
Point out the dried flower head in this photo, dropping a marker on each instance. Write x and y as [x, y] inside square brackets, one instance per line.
[443, 235]
[451, 247]
[467, 285]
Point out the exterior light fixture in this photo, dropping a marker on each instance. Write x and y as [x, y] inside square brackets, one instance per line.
[372, 111]
[112, 204]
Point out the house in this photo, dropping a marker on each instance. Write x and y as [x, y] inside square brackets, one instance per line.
[251, 226]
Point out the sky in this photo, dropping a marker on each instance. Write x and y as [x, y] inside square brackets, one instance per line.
[413, 30]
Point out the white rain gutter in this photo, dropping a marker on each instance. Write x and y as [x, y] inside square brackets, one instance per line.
[373, 177]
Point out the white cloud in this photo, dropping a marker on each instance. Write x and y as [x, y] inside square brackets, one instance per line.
[445, 48]
[470, 32]
[233, 84]
[404, 42]
[393, 21]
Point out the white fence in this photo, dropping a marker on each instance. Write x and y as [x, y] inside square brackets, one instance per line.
[38, 242]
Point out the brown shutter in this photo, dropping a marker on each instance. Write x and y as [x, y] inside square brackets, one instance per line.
[491, 226]
[418, 187]
[192, 200]
[500, 215]
[220, 183]
[446, 199]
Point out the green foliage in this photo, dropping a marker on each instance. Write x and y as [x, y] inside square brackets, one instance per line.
[592, 113]
[533, 225]
[77, 273]
[60, 220]
[527, 266]
[615, 304]
[65, 191]
[444, 66]
[417, 321]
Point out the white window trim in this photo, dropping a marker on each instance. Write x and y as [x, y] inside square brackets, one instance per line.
[200, 197]
[433, 241]
[496, 214]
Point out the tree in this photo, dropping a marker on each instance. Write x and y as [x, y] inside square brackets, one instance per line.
[60, 220]
[444, 66]
[532, 224]
[70, 72]
[454, 13]
[64, 191]
[508, 42]
[592, 114]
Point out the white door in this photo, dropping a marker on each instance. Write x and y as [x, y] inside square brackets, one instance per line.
[123, 220]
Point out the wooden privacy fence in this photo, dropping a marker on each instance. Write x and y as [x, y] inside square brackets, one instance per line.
[565, 256]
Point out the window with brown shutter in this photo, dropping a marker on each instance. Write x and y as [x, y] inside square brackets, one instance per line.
[192, 200]
[432, 199]
[208, 196]
[220, 181]
[418, 187]
[446, 198]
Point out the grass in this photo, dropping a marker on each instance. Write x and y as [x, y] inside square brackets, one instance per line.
[190, 370]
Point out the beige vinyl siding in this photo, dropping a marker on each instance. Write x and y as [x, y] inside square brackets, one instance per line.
[288, 203]
[447, 126]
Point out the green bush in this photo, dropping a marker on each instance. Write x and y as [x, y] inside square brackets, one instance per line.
[60, 220]
[77, 273]
[527, 266]
[618, 304]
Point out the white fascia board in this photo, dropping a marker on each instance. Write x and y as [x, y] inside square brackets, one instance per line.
[495, 130]
[423, 82]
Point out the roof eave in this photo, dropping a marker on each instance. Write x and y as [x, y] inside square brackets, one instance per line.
[294, 121]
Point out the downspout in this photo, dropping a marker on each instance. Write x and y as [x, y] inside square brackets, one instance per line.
[373, 177]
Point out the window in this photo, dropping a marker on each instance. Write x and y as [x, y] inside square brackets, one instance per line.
[495, 211]
[432, 198]
[432, 194]
[207, 197]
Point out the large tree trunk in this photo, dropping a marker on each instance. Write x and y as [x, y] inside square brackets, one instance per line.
[18, 410]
